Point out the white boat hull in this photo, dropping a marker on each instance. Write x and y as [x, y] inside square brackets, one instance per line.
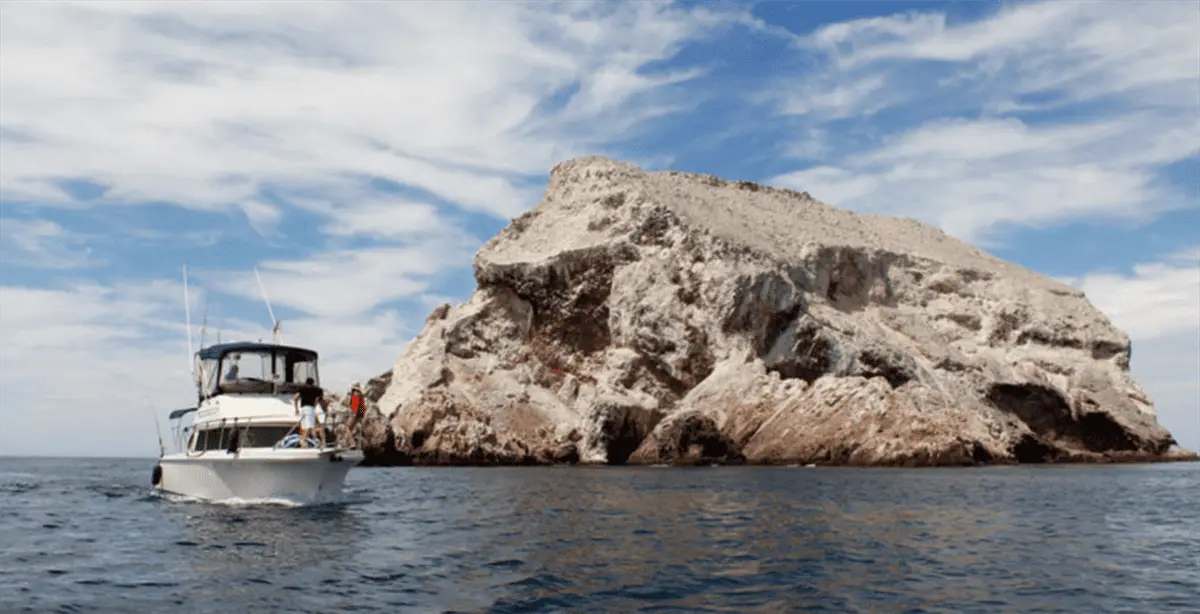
[292, 475]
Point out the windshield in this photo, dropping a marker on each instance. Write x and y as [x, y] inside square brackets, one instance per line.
[265, 371]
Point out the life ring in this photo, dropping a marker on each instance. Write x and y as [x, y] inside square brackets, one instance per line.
[156, 477]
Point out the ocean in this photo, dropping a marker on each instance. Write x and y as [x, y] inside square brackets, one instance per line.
[88, 535]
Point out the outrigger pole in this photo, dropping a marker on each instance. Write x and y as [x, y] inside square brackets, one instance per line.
[270, 312]
[187, 310]
[162, 448]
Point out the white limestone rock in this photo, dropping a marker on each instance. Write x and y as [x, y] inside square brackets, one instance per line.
[670, 317]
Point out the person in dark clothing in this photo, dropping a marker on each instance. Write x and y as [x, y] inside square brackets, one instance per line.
[305, 402]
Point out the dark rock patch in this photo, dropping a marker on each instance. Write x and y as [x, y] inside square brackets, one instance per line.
[1049, 416]
[1031, 450]
[896, 368]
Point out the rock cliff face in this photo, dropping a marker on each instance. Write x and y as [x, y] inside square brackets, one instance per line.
[637, 317]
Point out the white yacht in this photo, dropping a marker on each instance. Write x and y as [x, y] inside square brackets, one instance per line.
[241, 440]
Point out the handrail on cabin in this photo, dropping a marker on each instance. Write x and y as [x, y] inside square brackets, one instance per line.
[205, 427]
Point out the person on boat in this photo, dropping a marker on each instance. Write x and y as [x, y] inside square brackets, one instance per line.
[305, 402]
[358, 407]
[232, 374]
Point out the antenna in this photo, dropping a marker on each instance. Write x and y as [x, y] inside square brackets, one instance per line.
[274, 322]
[204, 323]
[203, 330]
[187, 310]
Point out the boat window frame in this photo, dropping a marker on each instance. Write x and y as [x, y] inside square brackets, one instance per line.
[217, 436]
[284, 361]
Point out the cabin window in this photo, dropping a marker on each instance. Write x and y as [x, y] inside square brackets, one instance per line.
[304, 369]
[217, 438]
[212, 439]
[264, 436]
[246, 366]
[247, 372]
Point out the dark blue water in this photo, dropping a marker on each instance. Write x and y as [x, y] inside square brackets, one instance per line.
[88, 536]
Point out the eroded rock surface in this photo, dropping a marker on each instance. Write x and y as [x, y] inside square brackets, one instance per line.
[637, 317]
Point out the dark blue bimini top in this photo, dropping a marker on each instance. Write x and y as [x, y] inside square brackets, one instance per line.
[215, 352]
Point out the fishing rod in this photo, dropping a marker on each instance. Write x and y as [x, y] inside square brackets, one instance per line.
[162, 448]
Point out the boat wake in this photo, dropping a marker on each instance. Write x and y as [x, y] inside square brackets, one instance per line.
[348, 498]
[241, 502]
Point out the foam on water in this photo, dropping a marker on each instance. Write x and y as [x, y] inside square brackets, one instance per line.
[260, 501]
[234, 501]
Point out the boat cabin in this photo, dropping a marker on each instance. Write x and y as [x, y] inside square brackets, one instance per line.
[245, 368]
[254, 368]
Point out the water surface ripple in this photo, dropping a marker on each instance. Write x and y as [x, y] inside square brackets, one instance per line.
[89, 536]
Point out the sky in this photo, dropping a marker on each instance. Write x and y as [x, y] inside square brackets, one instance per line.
[358, 154]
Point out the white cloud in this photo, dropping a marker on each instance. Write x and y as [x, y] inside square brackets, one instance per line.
[811, 146]
[1128, 72]
[386, 219]
[972, 177]
[263, 217]
[836, 100]
[245, 97]
[42, 244]
[1079, 50]
[80, 367]
[349, 283]
[1159, 299]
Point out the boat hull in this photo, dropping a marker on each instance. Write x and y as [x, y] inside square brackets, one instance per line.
[297, 476]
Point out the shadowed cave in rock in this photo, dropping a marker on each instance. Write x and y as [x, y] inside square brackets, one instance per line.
[697, 439]
[1049, 416]
[623, 431]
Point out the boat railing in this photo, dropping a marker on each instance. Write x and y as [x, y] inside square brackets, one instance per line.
[290, 432]
[293, 431]
[230, 438]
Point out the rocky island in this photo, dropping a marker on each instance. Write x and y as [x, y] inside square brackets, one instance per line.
[639, 317]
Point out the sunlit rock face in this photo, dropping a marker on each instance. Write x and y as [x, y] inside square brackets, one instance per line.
[637, 317]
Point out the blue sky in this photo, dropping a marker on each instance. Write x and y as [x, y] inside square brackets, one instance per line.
[359, 153]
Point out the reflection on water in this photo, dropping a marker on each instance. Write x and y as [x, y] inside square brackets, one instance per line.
[1065, 539]
[232, 541]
